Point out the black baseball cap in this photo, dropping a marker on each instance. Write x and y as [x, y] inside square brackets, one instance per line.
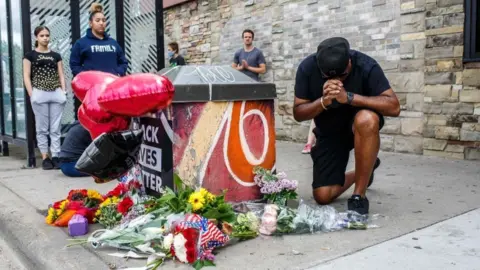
[333, 55]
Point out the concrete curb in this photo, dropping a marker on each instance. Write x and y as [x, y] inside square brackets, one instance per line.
[41, 247]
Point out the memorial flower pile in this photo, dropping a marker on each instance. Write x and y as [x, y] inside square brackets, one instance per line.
[188, 224]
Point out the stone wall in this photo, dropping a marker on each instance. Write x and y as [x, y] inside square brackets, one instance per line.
[286, 31]
[452, 97]
[418, 44]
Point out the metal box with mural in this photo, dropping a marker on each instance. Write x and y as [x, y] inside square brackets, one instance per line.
[218, 128]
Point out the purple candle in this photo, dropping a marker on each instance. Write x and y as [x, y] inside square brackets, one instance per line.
[78, 225]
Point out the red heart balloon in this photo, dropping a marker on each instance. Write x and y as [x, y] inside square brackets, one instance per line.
[91, 106]
[116, 123]
[137, 94]
[85, 80]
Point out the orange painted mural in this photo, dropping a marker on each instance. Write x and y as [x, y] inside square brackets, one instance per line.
[217, 145]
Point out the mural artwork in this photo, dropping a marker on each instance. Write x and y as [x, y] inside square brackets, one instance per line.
[217, 145]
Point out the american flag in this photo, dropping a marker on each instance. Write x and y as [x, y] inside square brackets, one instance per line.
[210, 236]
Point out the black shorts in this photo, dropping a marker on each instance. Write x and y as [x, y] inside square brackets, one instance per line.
[330, 157]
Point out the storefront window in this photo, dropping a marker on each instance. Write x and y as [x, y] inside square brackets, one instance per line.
[7, 107]
[17, 67]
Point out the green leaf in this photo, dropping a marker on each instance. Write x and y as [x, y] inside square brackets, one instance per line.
[178, 182]
[198, 264]
[224, 212]
[208, 263]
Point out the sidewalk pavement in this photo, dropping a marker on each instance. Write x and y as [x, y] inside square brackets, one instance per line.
[452, 244]
[409, 193]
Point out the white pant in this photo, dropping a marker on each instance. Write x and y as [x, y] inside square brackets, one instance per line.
[48, 109]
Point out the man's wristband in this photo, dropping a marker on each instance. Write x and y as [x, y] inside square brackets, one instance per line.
[323, 105]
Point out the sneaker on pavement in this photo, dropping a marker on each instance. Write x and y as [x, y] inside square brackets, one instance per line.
[47, 164]
[358, 204]
[307, 149]
[377, 163]
[56, 163]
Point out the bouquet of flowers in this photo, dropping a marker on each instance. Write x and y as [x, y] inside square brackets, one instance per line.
[82, 201]
[193, 240]
[276, 188]
[245, 226]
[118, 204]
[189, 200]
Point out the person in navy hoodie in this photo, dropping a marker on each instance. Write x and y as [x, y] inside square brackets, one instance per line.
[97, 50]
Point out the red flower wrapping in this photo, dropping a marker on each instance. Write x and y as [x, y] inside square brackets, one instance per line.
[75, 205]
[125, 205]
[88, 213]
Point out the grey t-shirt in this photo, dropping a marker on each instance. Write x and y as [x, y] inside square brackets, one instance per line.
[254, 58]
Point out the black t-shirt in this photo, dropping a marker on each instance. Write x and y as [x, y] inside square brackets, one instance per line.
[178, 61]
[366, 79]
[75, 143]
[44, 70]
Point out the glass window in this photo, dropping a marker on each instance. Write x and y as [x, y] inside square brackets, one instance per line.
[7, 107]
[472, 31]
[17, 58]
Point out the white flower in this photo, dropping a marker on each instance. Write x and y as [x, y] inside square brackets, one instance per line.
[168, 241]
[179, 247]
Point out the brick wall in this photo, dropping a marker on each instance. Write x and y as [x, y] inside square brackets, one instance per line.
[418, 44]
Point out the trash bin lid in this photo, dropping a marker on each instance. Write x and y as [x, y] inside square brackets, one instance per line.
[195, 83]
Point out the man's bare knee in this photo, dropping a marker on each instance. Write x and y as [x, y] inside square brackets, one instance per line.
[323, 195]
[366, 121]
[323, 201]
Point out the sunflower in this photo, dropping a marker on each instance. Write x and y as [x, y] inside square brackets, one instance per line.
[196, 200]
[52, 216]
[93, 194]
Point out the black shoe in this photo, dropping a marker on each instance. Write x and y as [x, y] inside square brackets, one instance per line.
[358, 204]
[47, 164]
[56, 163]
[377, 163]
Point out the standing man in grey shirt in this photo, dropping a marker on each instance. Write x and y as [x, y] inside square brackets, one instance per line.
[249, 59]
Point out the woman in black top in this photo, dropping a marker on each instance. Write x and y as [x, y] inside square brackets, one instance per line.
[175, 58]
[45, 83]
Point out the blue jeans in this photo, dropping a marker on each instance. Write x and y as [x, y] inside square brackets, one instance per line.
[68, 168]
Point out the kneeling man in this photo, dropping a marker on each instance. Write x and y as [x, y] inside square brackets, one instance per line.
[75, 143]
[347, 95]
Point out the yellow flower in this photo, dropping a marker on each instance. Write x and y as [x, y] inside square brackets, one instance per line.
[93, 194]
[207, 195]
[52, 216]
[62, 207]
[98, 213]
[111, 200]
[204, 192]
[210, 197]
[196, 200]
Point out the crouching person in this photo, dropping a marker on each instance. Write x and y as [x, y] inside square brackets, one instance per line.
[75, 143]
